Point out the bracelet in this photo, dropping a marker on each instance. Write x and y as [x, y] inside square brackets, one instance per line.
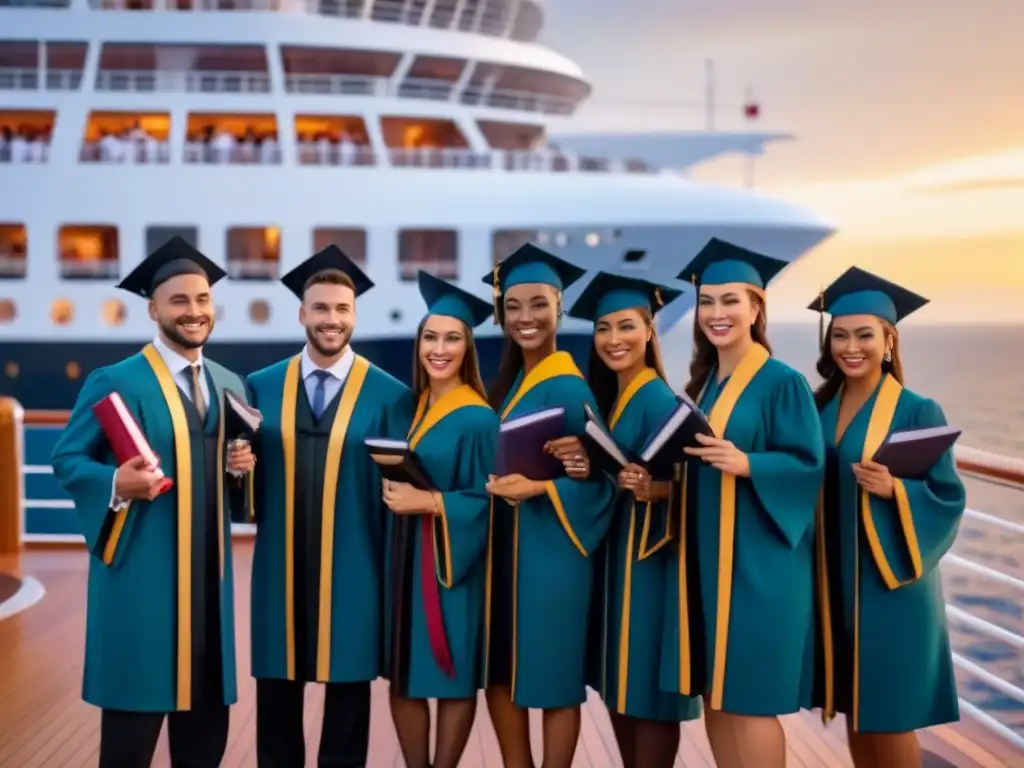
[437, 507]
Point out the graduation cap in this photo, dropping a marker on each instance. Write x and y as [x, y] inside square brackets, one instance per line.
[608, 293]
[443, 298]
[530, 264]
[173, 258]
[720, 262]
[331, 257]
[858, 292]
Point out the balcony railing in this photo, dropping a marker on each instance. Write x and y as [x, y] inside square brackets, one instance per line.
[207, 154]
[251, 269]
[101, 269]
[12, 267]
[32, 78]
[148, 81]
[319, 153]
[138, 153]
[336, 85]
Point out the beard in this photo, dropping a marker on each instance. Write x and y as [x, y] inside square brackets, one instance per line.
[170, 330]
[331, 347]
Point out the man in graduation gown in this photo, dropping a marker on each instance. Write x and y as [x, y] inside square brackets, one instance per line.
[318, 568]
[160, 622]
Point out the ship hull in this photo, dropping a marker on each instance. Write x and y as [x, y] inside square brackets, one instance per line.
[48, 375]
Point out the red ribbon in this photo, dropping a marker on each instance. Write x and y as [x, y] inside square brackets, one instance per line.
[432, 598]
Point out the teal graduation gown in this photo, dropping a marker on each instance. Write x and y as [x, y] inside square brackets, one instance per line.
[540, 573]
[160, 609]
[454, 440]
[317, 574]
[741, 618]
[885, 656]
[633, 575]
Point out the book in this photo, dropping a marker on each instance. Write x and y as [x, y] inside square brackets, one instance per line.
[911, 453]
[125, 437]
[398, 463]
[521, 445]
[241, 420]
[603, 450]
[664, 449]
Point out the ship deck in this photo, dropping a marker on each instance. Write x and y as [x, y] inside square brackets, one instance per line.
[45, 724]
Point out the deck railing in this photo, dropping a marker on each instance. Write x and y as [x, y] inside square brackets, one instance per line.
[24, 462]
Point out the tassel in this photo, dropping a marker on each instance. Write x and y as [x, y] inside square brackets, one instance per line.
[658, 298]
[497, 294]
[821, 318]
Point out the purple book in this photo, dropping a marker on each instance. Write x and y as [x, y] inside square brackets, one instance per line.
[521, 445]
[911, 453]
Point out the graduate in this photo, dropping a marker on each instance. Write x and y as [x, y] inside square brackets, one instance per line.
[317, 576]
[634, 398]
[542, 533]
[885, 655]
[741, 601]
[438, 557]
[160, 637]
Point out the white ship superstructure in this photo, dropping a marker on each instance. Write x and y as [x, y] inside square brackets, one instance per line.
[431, 134]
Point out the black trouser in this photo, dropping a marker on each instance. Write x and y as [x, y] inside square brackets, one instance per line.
[345, 736]
[197, 738]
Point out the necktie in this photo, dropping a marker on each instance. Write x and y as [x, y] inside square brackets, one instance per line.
[197, 391]
[320, 393]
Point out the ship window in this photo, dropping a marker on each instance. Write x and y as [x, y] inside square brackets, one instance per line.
[332, 140]
[114, 312]
[443, 14]
[351, 241]
[62, 312]
[254, 253]
[25, 135]
[8, 310]
[424, 142]
[126, 137]
[259, 311]
[12, 369]
[232, 138]
[511, 136]
[158, 234]
[432, 250]
[504, 242]
[13, 251]
[88, 252]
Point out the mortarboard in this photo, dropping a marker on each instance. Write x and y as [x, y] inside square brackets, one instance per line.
[443, 298]
[857, 292]
[331, 257]
[530, 264]
[173, 258]
[720, 262]
[608, 293]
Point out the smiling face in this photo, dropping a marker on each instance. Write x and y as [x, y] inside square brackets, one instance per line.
[621, 338]
[725, 313]
[858, 344]
[442, 347]
[531, 314]
[183, 310]
[328, 313]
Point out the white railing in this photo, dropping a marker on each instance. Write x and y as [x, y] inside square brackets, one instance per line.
[328, 154]
[32, 78]
[336, 85]
[207, 154]
[251, 269]
[523, 101]
[101, 269]
[129, 152]
[148, 81]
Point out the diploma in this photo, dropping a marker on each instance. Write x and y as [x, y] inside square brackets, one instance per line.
[124, 436]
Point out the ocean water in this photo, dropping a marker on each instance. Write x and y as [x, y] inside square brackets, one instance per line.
[977, 375]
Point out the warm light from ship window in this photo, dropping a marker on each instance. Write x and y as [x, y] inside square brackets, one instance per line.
[12, 369]
[412, 136]
[271, 237]
[593, 239]
[114, 312]
[8, 311]
[62, 312]
[259, 311]
[73, 370]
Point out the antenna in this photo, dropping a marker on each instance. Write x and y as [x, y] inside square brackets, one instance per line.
[709, 94]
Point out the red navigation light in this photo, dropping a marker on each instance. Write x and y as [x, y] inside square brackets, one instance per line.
[751, 111]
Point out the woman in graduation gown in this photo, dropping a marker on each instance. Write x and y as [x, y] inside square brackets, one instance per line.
[885, 654]
[543, 533]
[741, 604]
[634, 399]
[437, 558]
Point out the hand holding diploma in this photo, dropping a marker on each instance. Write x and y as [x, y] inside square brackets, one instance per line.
[722, 455]
[874, 478]
[570, 451]
[514, 488]
[138, 480]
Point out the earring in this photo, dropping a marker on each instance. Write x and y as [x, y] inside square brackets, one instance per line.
[888, 357]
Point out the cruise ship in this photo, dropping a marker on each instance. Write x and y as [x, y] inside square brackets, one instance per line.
[433, 134]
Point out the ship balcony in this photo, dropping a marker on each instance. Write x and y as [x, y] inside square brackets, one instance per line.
[34, 79]
[148, 81]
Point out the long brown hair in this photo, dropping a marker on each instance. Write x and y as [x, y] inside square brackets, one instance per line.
[705, 354]
[469, 371]
[834, 377]
[604, 382]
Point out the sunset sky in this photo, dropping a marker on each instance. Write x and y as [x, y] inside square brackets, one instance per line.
[909, 116]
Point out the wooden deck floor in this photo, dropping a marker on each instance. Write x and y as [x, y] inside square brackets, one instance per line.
[45, 724]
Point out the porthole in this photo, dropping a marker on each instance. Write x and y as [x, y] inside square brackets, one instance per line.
[73, 370]
[593, 239]
[395, 315]
[259, 311]
[12, 369]
[114, 312]
[561, 240]
[62, 312]
[8, 311]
